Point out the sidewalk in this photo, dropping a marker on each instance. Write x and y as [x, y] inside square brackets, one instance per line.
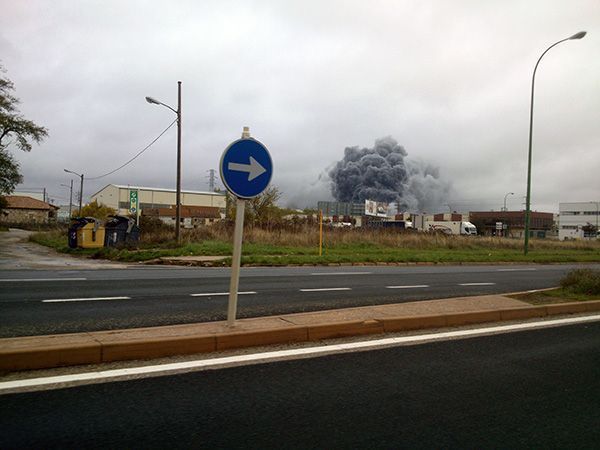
[37, 352]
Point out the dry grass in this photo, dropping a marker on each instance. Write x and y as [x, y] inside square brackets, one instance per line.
[308, 236]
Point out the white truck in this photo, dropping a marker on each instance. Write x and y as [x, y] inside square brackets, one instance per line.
[451, 227]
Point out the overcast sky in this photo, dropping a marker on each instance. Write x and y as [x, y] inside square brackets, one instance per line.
[449, 80]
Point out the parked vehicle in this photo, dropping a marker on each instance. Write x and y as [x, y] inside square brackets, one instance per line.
[450, 227]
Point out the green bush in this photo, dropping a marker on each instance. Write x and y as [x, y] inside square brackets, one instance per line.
[582, 281]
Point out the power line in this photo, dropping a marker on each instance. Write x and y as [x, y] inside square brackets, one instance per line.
[138, 154]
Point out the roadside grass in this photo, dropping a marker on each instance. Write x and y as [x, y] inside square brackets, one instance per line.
[300, 247]
[578, 285]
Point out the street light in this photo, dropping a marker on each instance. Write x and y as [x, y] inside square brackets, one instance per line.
[70, 196]
[178, 194]
[507, 194]
[579, 35]
[80, 189]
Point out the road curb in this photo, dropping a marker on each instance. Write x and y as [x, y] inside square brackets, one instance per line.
[41, 352]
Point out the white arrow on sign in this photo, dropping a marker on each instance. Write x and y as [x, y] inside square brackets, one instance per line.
[254, 169]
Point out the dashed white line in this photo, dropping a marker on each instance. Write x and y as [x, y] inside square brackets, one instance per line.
[416, 286]
[341, 273]
[326, 289]
[216, 294]
[516, 270]
[41, 279]
[257, 358]
[87, 299]
[476, 284]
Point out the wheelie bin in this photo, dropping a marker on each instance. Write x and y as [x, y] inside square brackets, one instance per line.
[76, 223]
[120, 230]
[90, 235]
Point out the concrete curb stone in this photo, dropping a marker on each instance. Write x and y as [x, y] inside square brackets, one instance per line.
[37, 352]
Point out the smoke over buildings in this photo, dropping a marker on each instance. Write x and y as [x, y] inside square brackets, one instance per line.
[385, 174]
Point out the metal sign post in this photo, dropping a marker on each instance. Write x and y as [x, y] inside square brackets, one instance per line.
[246, 169]
[236, 258]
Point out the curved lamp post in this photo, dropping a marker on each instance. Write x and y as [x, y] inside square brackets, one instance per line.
[507, 194]
[178, 194]
[579, 35]
[80, 189]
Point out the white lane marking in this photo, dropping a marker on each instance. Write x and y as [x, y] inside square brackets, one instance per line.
[476, 284]
[42, 279]
[341, 273]
[216, 363]
[408, 287]
[326, 289]
[215, 294]
[88, 299]
[516, 270]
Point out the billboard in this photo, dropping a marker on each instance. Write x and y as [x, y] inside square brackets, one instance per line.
[377, 209]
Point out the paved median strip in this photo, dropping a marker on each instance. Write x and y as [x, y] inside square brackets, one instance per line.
[88, 299]
[326, 289]
[216, 294]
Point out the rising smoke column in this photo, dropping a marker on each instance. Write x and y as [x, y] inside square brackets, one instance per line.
[384, 174]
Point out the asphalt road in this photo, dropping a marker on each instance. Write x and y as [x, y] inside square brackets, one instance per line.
[529, 389]
[48, 302]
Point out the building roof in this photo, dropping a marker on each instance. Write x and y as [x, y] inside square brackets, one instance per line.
[146, 188]
[204, 212]
[20, 202]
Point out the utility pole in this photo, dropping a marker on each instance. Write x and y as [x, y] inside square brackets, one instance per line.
[178, 193]
[211, 180]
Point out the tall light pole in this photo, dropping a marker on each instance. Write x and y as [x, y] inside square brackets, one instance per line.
[80, 189]
[178, 194]
[507, 194]
[70, 197]
[597, 213]
[528, 200]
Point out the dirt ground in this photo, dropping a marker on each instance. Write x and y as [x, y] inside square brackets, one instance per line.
[16, 252]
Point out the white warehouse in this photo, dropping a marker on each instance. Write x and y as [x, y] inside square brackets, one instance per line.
[117, 197]
[574, 216]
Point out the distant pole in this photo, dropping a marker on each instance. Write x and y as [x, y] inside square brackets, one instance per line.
[579, 35]
[137, 209]
[178, 191]
[70, 196]
[71, 199]
[178, 199]
[320, 233]
[507, 194]
[80, 188]
[81, 195]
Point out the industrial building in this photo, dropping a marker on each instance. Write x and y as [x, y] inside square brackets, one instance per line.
[575, 219]
[512, 223]
[160, 201]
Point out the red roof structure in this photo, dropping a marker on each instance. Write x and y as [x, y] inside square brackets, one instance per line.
[20, 202]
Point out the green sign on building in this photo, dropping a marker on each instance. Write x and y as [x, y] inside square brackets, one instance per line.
[133, 202]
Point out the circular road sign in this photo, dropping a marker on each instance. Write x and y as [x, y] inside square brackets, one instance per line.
[246, 168]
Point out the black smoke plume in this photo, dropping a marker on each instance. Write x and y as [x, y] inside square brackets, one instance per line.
[385, 174]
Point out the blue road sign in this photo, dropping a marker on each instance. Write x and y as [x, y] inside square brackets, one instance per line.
[246, 168]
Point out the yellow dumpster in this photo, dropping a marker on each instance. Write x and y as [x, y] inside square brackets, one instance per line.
[91, 235]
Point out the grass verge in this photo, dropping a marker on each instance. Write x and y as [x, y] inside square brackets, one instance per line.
[577, 286]
[278, 249]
